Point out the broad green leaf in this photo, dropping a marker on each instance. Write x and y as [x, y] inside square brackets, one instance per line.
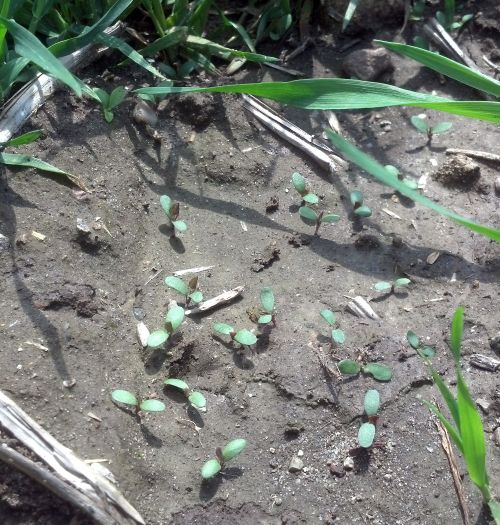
[342, 94]
[240, 30]
[366, 435]
[427, 352]
[157, 338]
[245, 337]
[299, 183]
[197, 399]
[351, 8]
[102, 95]
[338, 336]
[25, 138]
[330, 218]
[311, 198]
[233, 448]
[452, 431]
[356, 197]
[223, 328]
[210, 469]
[379, 372]
[447, 67]
[457, 328]
[177, 383]
[380, 173]
[177, 284]
[401, 282]
[328, 316]
[175, 316]
[472, 434]
[267, 299]
[108, 115]
[180, 226]
[419, 123]
[166, 203]
[10, 71]
[383, 286]
[308, 214]
[441, 127]
[265, 319]
[117, 96]
[196, 296]
[363, 211]
[413, 339]
[124, 396]
[152, 405]
[371, 402]
[349, 367]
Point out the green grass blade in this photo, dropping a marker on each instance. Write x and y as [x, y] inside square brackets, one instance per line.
[380, 173]
[28, 46]
[495, 510]
[447, 67]
[198, 19]
[349, 12]
[448, 397]
[174, 36]
[457, 327]
[25, 138]
[471, 430]
[343, 94]
[25, 161]
[240, 30]
[9, 73]
[452, 431]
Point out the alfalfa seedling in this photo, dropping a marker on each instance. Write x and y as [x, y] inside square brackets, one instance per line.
[267, 302]
[337, 335]
[188, 290]
[125, 397]
[349, 367]
[196, 399]
[213, 466]
[173, 319]
[422, 350]
[244, 337]
[395, 286]
[308, 215]
[302, 187]
[360, 210]
[172, 210]
[421, 125]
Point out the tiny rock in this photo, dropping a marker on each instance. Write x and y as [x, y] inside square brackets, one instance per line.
[497, 186]
[296, 465]
[367, 64]
[337, 471]
[348, 463]
[495, 344]
[144, 114]
[483, 404]
[496, 436]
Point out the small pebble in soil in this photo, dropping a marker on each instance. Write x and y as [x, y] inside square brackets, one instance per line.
[367, 64]
[496, 436]
[296, 465]
[497, 186]
[495, 344]
[483, 404]
[348, 463]
[337, 471]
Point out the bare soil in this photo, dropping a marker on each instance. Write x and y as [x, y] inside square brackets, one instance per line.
[82, 298]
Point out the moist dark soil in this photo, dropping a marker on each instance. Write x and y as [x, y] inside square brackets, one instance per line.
[81, 296]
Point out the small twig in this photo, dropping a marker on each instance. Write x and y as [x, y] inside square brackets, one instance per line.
[452, 462]
[484, 155]
[180, 273]
[153, 276]
[223, 298]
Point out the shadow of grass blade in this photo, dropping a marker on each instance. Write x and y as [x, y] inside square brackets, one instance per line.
[447, 67]
[380, 173]
[343, 94]
[28, 46]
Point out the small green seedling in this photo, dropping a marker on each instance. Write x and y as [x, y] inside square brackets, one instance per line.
[146, 405]
[171, 210]
[300, 184]
[196, 399]
[422, 126]
[357, 201]
[348, 367]
[337, 335]
[267, 303]
[392, 286]
[213, 466]
[244, 337]
[417, 10]
[449, 19]
[173, 319]
[422, 350]
[189, 291]
[110, 100]
[366, 433]
[308, 215]
[406, 181]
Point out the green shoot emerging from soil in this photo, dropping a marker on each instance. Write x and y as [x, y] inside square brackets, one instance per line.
[110, 100]
[244, 337]
[171, 210]
[422, 350]
[408, 182]
[420, 123]
[308, 215]
[357, 201]
[366, 432]
[392, 286]
[173, 319]
[348, 367]
[213, 466]
[449, 19]
[337, 335]
[189, 291]
[196, 399]
[146, 405]
[267, 303]
[300, 184]
[465, 426]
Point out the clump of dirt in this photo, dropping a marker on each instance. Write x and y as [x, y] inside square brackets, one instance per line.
[197, 109]
[269, 255]
[459, 171]
[79, 297]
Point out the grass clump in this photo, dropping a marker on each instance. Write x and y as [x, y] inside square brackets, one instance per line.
[125, 397]
[337, 335]
[196, 399]
[213, 466]
[171, 210]
[189, 291]
[173, 319]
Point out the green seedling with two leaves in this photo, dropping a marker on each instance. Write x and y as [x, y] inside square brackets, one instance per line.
[172, 210]
[308, 215]
[189, 291]
[420, 124]
[267, 303]
[301, 185]
[366, 432]
[244, 337]
[146, 405]
[337, 335]
[109, 101]
[213, 466]
[465, 426]
[173, 319]
[349, 367]
[392, 286]
[410, 183]
[357, 202]
[415, 343]
[196, 399]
